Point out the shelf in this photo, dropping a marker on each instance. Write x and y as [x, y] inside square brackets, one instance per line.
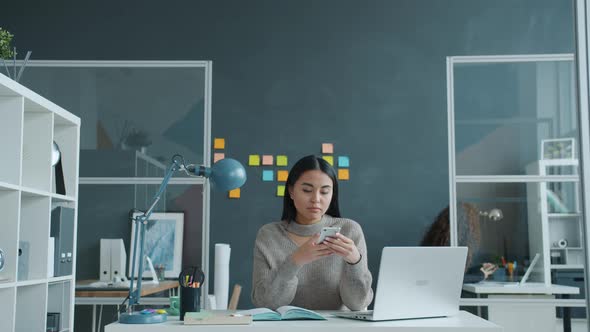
[7, 284]
[36, 155]
[9, 203]
[10, 126]
[567, 266]
[564, 215]
[4, 186]
[31, 308]
[62, 198]
[60, 279]
[31, 282]
[33, 237]
[7, 299]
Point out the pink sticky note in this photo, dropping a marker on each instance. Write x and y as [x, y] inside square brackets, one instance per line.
[267, 159]
[218, 156]
[327, 148]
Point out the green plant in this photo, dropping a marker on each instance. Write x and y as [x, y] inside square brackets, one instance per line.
[6, 50]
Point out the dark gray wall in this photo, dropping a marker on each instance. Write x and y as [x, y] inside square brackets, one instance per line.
[368, 76]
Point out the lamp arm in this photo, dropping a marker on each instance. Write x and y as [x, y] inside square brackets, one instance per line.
[140, 222]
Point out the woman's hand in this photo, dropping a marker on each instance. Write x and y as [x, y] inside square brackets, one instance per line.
[344, 247]
[310, 251]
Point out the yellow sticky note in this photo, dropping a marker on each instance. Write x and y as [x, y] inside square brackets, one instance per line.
[281, 191]
[234, 193]
[218, 156]
[281, 160]
[254, 160]
[329, 159]
[219, 143]
[267, 159]
[327, 148]
[282, 175]
[343, 174]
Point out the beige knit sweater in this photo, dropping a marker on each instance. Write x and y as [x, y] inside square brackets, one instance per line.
[328, 283]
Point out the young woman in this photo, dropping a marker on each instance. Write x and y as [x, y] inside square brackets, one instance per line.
[290, 268]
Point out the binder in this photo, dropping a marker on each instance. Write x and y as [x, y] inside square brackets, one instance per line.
[62, 229]
[105, 260]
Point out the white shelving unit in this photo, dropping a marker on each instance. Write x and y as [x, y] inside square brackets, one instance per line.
[554, 215]
[29, 124]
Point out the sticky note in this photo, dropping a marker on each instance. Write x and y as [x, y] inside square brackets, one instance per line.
[329, 159]
[280, 190]
[218, 156]
[281, 160]
[234, 193]
[343, 161]
[327, 148]
[254, 160]
[267, 159]
[267, 175]
[219, 143]
[282, 175]
[343, 174]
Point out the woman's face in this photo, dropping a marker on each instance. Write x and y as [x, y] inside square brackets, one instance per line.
[311, 195]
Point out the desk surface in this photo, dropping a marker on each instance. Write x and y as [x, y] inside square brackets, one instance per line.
[146, 289]
[463, 321]
[527, 288]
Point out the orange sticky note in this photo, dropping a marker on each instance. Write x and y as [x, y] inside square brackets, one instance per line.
[218, 156]
[329, 159]
[267, 159]
[219, 143]
[327, 148]
[280, 191]
[282, 175]
[343, 174]
[281, 160]
[254, 160]
[234, 193]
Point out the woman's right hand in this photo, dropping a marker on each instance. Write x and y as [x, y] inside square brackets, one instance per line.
[310, 251]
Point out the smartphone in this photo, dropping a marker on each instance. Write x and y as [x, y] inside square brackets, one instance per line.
[327, 232]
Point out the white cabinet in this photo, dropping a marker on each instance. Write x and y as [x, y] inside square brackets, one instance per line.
[29, 124]
[555, 218]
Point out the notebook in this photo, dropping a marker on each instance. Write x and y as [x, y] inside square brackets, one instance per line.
[416, 282]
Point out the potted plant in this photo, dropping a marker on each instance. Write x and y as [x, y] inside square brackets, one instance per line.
[7, 52]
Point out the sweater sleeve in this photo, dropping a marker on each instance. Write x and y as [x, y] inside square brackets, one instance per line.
[274, 283]
[355, 286]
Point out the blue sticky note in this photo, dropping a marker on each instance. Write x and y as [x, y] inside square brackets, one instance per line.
[267, 175]
[343, 161]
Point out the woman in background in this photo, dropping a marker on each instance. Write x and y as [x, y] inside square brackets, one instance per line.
[290, 268]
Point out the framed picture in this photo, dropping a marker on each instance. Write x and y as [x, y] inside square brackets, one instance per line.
[558, 148]
[162, 243]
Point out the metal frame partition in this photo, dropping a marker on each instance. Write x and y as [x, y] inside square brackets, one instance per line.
[206, 141]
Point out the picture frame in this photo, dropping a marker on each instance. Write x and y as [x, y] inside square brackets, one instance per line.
[162, 243]
[558, 148]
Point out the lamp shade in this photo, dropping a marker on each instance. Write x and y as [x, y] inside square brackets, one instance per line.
[226, 174]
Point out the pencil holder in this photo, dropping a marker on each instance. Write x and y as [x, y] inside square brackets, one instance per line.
[190, 300]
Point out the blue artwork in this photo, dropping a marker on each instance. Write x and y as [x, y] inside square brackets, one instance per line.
[343, 161]
[159, 242]
[162, 243]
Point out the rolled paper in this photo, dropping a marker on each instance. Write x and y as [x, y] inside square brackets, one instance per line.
[221, 289]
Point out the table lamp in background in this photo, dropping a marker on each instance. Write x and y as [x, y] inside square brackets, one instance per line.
[225, 174]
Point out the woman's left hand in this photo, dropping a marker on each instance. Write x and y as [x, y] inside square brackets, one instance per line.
[344, 247]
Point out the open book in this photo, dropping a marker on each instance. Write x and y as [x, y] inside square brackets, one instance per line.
[286, 312]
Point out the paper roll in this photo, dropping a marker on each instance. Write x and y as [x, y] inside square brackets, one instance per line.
[221, 291]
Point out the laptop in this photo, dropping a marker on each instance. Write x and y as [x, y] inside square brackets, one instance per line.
[416, 282]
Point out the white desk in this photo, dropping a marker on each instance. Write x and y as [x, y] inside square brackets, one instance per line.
[519, 317]
[105, 296]
[463, 322]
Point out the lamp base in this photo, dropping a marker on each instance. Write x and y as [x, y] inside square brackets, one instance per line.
[139, 318]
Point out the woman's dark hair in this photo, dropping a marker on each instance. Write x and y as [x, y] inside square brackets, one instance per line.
[303, 165]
